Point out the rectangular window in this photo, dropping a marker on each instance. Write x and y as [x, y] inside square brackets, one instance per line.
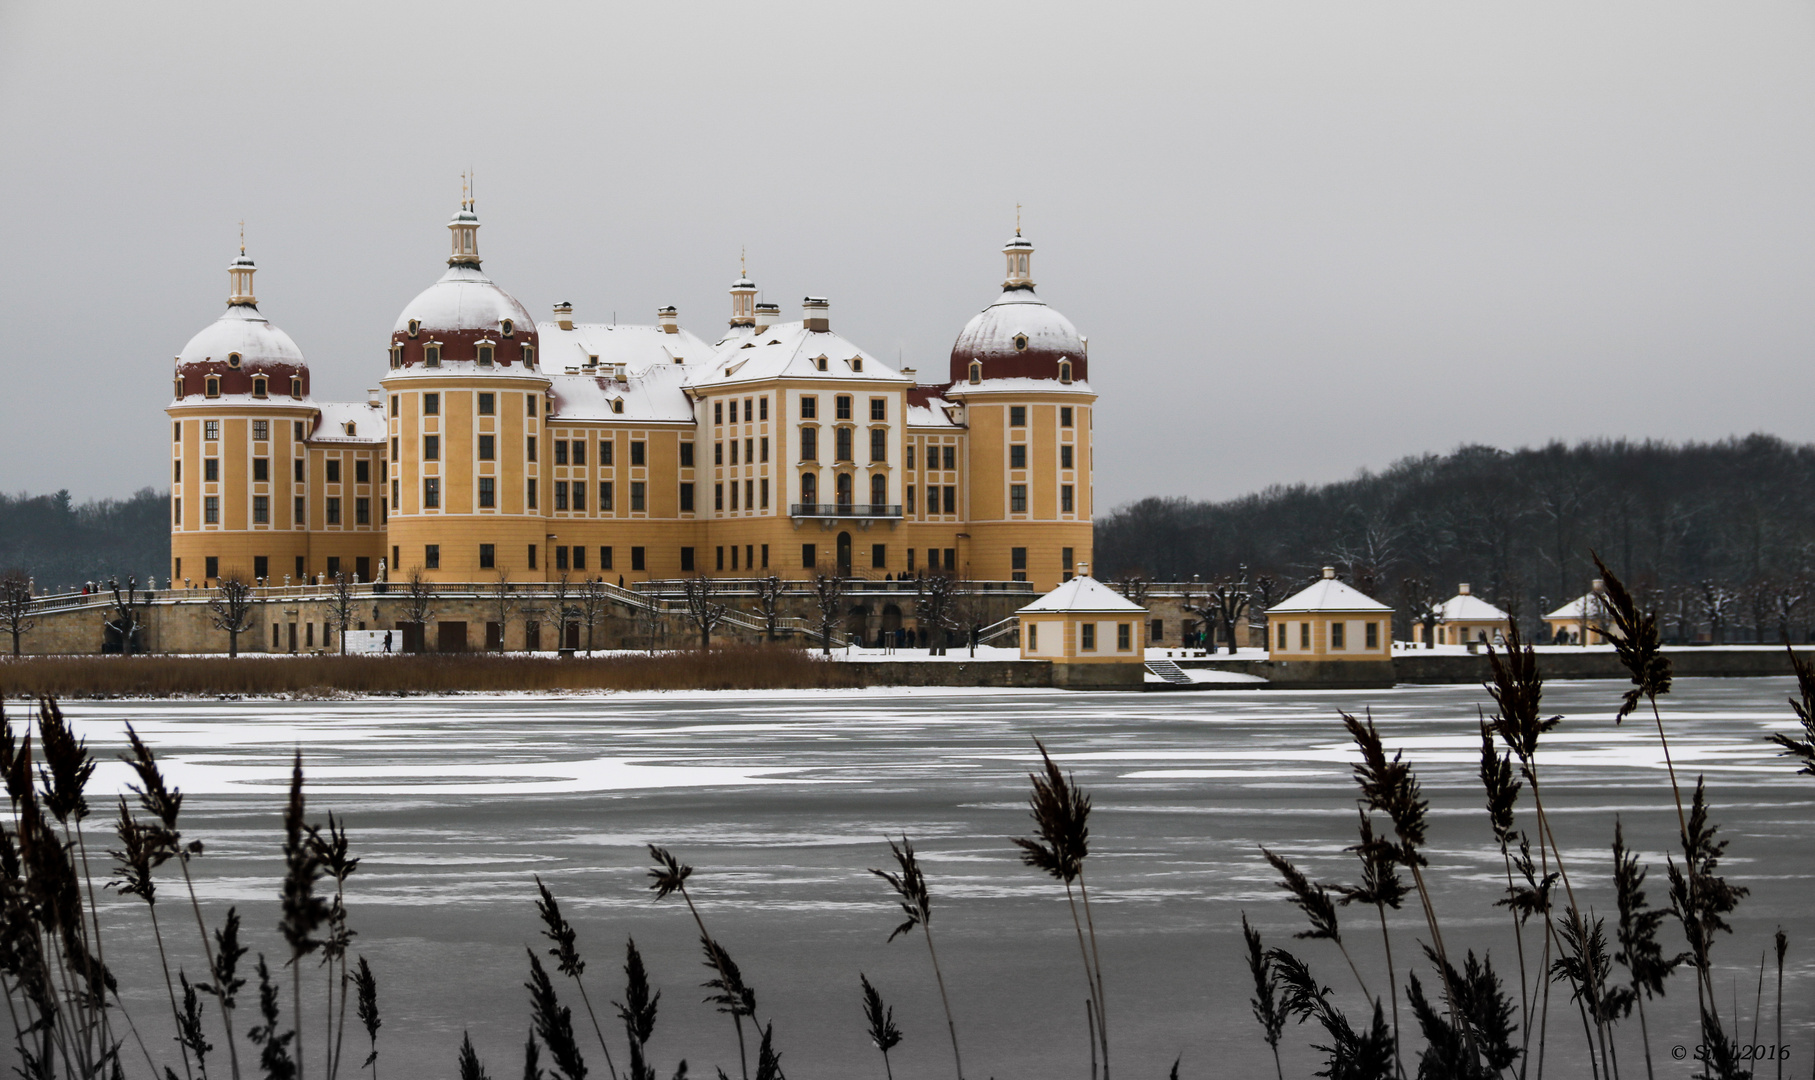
[211, 567]
[763, 487]
[211, 510]
[809, 409]
[636, 497]
[686, 455]
[1017, 456]
[431, 404]
[431, 493]
[334, 470]
[488, 493]
[1065, 499]
[211, 469]
[579, 451]
[879, 408]
[561, 556]
[734, 451]
[1373, 635]
[531, 445]
[686, 498]
[605, 501]
[718, 453]
[842, 444]
[362, 511]
[605, 448]
[302, 511]
[842, 406]
[1017, 498]
[720, 556]
[393, 404]
[431, 556]
[910, 557]
[1065, 456]
[1282, 636]
[261, 510]
[605, 558]
[718, 412]
[909, 495]
[763, 445]
[487, 448]
[529, 404]
[1065, 416]
[1065, 564]
[807, 553]
[637, 455]
[809, 444]
[579, 557]
[176, 516]
[951, 500]
[394, 454]
[530, 493]
[261, 469]
[532, 556]
[718, 496]
[487, 557]
[687, 560]
[1124, 637]
[879, 444]
[762, 408]
[951, 457]
[1017, 416]
[431, 451]
[211, 429]
[879, 556]
[951, 558]
[396, 493]
[176, 435]
[560, 493]
[1087, 637]
[637, 561]
[1156, 630]
[1336, 632]
[362, 471]
[261, 430]
[1304, 635]
[333, 511]
[749, 451]
[488, 404]
[1017, 558]
[560, 451]
[748, 406]
[579, 493]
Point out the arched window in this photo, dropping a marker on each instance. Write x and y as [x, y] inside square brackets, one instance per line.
[179, 386]
[397, 355]
[976, 371]
[296, 387]
[258, 387]
[1065, 371]
[879, 491]
[431, 355]
[213, 386]
[844, 489]
[529, 356]
[809, 488]
[485, 354]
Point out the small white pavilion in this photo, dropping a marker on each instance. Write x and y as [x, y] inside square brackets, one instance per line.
[1575, 623]
[1466, 619]
[1330, 621]
[1080, 627]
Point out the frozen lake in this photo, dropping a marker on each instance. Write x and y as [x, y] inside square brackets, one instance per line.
[780, 802]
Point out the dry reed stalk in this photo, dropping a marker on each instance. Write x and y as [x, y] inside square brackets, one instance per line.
[884, 1035]
[1783, 946]
[1265, 1002]
[916, 902]
[567, 957]
[670, 876]
[367, 987]
[303, 911]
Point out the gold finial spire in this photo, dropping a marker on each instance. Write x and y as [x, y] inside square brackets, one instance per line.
[463, 189]
[743, 262]
[242, 236]
[1017, 219]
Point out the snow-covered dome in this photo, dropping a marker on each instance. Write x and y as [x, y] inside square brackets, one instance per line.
[241, 353]
[1019, 336]
[464, 299]
[243, 331]
[464, 319]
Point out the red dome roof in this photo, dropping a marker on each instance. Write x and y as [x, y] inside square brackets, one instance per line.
[1018, 336]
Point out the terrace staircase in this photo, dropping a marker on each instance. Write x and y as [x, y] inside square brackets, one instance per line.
[1169, 671]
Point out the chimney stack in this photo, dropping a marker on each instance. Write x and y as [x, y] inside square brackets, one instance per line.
[669, 319]
[1329, 571]
[813, 312]
[767, 315]
[564, 315]
[1463, 588]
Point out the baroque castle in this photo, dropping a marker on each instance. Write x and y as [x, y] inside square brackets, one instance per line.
[497, 445]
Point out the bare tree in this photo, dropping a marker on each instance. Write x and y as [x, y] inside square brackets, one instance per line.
[1717, 604]
[1785, 599]
[828, 598]
[418, 603]
[231, 609]
[1134, 586]
[1206, 610]
[505, 603]
[933, 607]
[1422, 605]
[16, 606]
[1229, 602]
[769, 593]
[593, 606]
[697, 592]
[1265, 591]
[126, 619]
[564, 609]
[340, 607]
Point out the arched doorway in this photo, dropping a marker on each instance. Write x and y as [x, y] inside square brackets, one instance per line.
[844, 554]
[857, 624]
[844, 489]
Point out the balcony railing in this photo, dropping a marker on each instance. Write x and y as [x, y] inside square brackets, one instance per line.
[845, 510]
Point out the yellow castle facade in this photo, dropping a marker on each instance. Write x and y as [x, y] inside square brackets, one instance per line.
[495, 446]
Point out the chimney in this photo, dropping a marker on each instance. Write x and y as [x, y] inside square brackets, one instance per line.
[1599, 586]
[1329, 571]
[669, 319]
[1463, 588]
[813, 313]
[564, 315]
[910, 374]
[592, 360]
[1083, 569]
[767, 315]
[617, 373]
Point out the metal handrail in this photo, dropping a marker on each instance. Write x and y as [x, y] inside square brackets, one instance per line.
[845, 510]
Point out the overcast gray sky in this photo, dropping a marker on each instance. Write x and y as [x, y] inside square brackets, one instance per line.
[1302, 238]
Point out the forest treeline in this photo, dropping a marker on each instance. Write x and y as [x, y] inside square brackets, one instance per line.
[59, 543]
[1719, 536]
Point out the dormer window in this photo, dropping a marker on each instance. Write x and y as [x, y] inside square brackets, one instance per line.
[1020, 342]
[233, 360]
[1065, 371]
[351, 427]
[397, 355]
[856, 363]
[485, 354]
[213, 386]
[296, 387]
[617, 405]
[976, 371]
[431, 355]
[819, 362]
[179, 388]
[415, 327]
[507, 327]
[529, 356]
[258, 387]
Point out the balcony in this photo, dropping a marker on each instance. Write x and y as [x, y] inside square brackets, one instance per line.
[844, 510]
